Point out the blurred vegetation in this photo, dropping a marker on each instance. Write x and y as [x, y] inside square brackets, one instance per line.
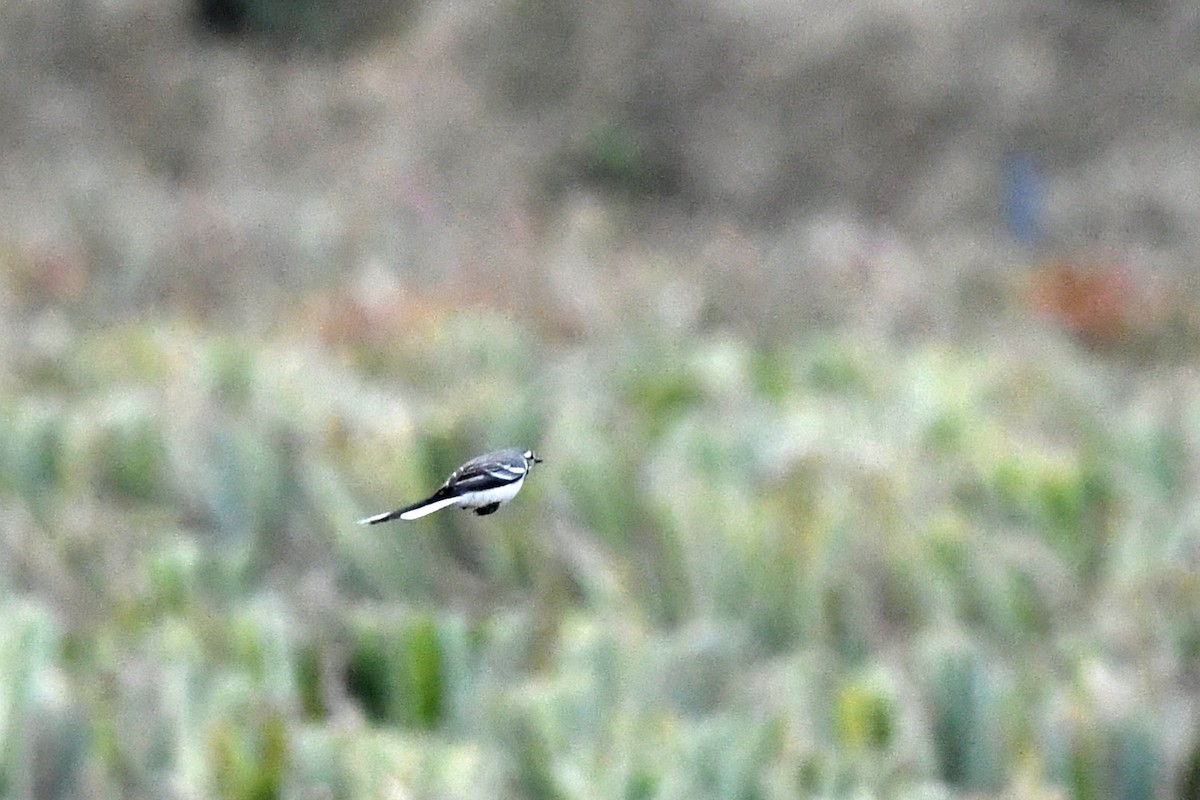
[829, 567]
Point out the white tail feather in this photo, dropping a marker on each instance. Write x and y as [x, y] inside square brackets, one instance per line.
[415, 513]
[437, 505]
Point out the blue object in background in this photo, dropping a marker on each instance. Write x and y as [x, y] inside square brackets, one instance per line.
[1023, 191]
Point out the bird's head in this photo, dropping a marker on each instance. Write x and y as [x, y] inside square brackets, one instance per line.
[531, 457]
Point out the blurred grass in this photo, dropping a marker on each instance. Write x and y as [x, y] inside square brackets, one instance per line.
[830, 568]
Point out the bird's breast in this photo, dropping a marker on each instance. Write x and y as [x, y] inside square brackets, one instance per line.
[485, 497]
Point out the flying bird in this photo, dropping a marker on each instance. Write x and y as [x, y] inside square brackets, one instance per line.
[483, 484]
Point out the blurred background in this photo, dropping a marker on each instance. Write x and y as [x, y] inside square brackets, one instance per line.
[858, 336]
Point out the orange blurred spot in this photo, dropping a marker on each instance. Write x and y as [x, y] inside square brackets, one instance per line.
[1098, 302]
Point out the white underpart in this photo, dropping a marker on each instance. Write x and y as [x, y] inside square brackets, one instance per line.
[501, 494]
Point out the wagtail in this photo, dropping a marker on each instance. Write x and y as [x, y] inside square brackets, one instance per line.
[483, 484]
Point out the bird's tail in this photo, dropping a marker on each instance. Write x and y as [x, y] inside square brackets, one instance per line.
[436, 502]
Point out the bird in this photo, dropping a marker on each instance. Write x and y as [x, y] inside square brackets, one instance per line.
[483, 484]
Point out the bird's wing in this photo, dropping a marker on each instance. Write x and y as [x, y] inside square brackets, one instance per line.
[486, 472]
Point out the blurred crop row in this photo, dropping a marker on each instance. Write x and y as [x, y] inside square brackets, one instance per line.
[830, 568]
